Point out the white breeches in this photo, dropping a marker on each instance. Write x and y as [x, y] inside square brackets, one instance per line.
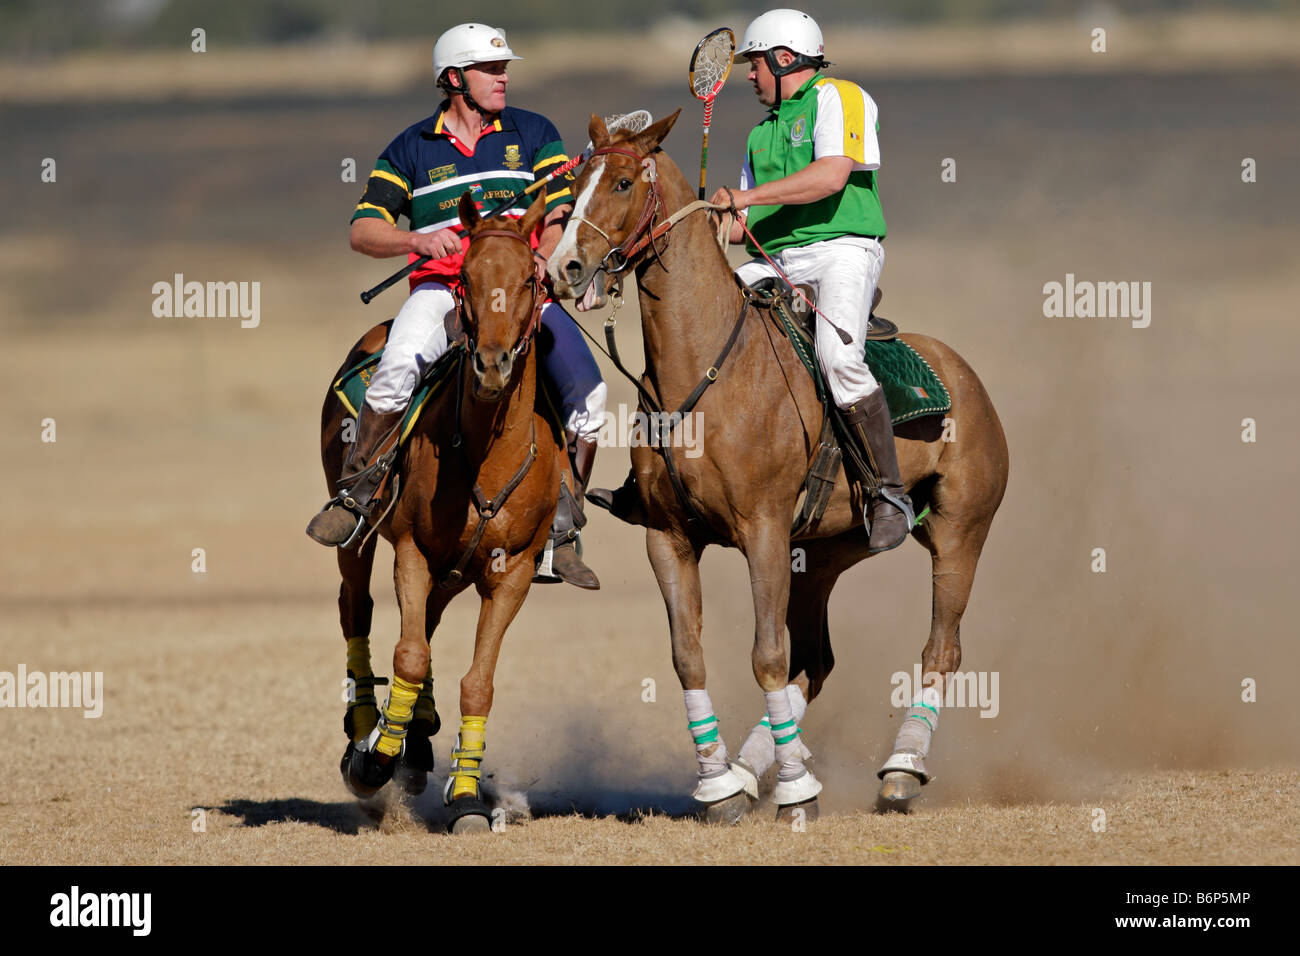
[844, 274]
[418, 338]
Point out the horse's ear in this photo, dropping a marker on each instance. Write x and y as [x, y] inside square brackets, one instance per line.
[656, 133]
[597, 133]
[469, 217]
[535, 214]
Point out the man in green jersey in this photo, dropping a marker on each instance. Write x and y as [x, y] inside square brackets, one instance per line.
[809, 195]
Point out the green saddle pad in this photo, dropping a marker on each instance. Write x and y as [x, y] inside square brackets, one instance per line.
[351, 385]
[912, 388]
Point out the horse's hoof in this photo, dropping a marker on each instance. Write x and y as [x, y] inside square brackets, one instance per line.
[897, 791]
[414, 765]
[467, 815]
[728, 811]
[789, 793]
[795, 814]
[362, 773]
[471, 824]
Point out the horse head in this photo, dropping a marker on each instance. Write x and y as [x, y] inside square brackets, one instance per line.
[618, 196]
[502, 297]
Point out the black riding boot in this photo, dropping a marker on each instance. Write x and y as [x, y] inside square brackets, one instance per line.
[891, 517]
[623, 503]
[566, 563]
[341, 521]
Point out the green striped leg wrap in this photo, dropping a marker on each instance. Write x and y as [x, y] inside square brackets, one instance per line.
[919, 724]
[785, 734]
[710, 751]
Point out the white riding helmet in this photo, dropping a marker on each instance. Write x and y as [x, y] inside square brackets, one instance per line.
[468, 44]
[791, 29]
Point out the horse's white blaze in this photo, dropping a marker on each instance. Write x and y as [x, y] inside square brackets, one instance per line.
[568, 246]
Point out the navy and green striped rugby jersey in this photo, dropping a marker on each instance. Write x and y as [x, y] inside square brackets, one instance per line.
[425, 170]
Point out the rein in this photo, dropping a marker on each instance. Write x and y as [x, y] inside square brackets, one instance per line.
[488, 508]
[645, 235]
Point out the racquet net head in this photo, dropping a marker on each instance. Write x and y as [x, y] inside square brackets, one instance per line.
[628, 123]
[711, 62]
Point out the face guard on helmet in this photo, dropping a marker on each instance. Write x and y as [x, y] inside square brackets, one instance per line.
[467, 45]
[788, 29]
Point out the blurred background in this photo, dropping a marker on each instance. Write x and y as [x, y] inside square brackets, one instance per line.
[183, 434]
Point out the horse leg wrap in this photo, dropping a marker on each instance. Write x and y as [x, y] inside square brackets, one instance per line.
[424, 706]
[759, 749]
[789, 751]
[710, 750]
[466, 756]
[358, 726]
[717, 780]
[912, 745]
[396, 715]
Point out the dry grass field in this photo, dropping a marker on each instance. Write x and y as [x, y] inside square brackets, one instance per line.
[1120, 691]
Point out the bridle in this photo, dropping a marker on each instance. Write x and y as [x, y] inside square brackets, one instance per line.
[646, 234]
[533, 282]
[619, 258]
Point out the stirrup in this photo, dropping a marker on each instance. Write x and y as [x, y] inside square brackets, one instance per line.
[904, 504]
[375, 475]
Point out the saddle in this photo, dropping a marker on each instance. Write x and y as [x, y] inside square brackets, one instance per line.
[912, 389]
[879, 328]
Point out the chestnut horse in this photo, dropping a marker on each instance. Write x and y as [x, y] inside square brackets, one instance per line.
[478, 484]
[759, 422]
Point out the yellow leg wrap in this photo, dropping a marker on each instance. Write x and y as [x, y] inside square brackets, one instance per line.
[467, 756]
[397, 714]
[364, 708]
[359, 657]
[424, 708]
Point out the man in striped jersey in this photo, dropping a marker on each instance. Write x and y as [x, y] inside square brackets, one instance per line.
[475, 142]
[809, 194]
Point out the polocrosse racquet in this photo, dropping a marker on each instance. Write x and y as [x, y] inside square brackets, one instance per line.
[710, 65]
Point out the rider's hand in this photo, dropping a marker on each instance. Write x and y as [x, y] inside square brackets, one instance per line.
[436, 245]
[725, 197]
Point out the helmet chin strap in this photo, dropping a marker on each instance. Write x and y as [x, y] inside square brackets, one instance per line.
[463, 89]
[800, 62]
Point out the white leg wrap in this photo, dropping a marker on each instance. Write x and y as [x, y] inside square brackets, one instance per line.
[785, 735]
[759, 749]
[794, 783]
[710, 751]
[912, 745]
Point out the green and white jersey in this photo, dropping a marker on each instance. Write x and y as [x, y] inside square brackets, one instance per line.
[825, 117]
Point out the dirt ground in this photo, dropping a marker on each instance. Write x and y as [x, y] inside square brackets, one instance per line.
[1120, 691]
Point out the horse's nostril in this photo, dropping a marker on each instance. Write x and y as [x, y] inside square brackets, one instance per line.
[573, 270]
[478, 363]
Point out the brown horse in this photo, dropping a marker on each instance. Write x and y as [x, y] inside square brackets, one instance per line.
[478, 485]
[760, 421]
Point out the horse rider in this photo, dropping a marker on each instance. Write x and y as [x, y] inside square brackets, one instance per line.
[474, 141]
[810, 196]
